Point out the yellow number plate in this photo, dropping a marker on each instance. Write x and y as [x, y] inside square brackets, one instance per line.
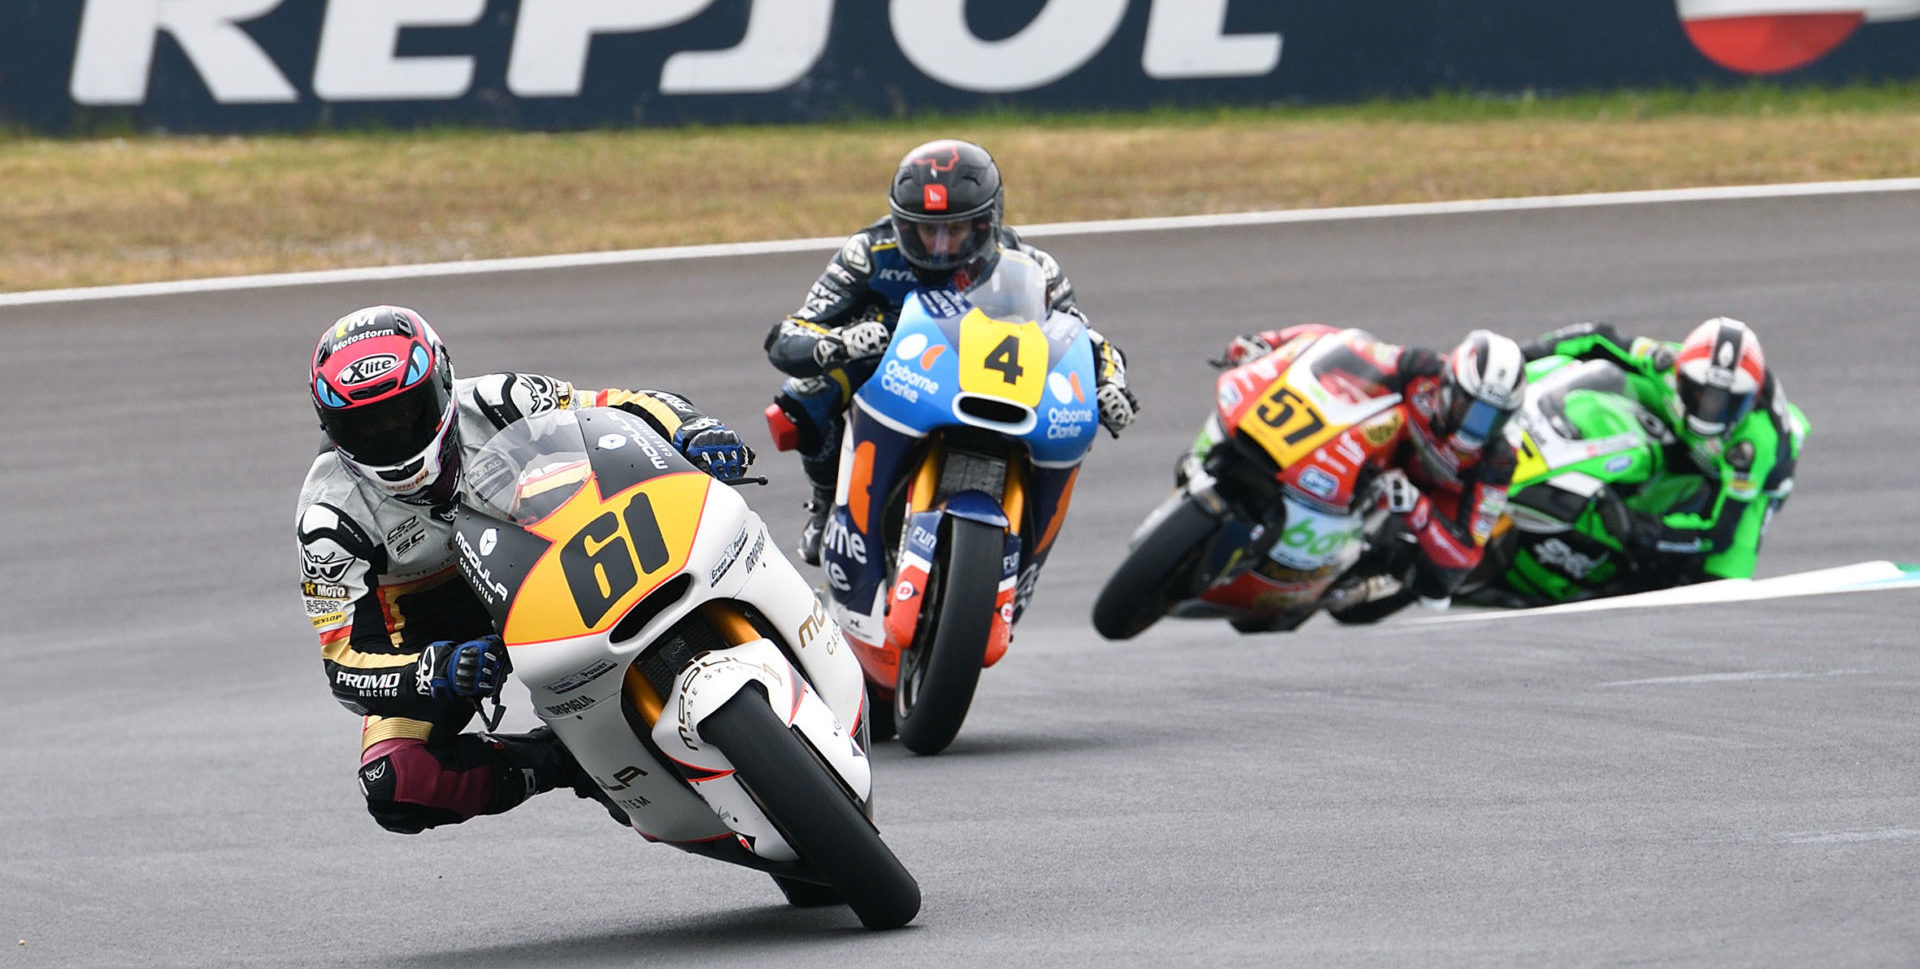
[1287, 424]
[1005, 360]
[607, 554]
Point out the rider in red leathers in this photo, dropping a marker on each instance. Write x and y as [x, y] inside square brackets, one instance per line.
[405, 643]
[1454, 459]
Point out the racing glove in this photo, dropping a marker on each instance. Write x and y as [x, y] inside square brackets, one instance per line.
[855, 341]
[714, 448]
[1117, 406]
[1240, 349]
[474, 669]
[1397, 494]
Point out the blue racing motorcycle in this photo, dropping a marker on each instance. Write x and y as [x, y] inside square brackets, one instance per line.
[955, 475]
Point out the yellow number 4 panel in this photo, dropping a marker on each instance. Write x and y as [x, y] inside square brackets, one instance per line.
[1004, 360]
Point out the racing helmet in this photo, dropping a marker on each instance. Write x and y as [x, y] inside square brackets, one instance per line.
[946, 209]
[383, 385]
[1485, 380]
[1718, 373]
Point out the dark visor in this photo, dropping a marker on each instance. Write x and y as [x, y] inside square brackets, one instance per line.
[391, 431]
[1713, 406]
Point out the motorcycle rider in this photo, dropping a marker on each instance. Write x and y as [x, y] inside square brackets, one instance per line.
[404, 642]
[943, 229]
[1738, 437]
[1448, 473]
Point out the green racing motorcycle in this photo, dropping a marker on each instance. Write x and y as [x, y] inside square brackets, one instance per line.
[1589, 457]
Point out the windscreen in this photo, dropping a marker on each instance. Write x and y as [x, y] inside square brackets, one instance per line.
[526, 471]
[1015, 292]
[1348, 375]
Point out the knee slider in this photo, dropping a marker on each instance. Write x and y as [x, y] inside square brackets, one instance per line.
[378, 784]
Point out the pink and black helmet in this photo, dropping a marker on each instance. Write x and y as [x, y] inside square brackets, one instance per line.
[383, 386]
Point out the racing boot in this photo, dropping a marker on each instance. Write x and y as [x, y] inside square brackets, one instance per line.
[1367, 599]
[819, 507]
[542, 764]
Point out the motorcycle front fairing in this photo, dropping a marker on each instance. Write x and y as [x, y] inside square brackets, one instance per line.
[1584, 445]
[991, 366]
[596, 547]
[1296, 438]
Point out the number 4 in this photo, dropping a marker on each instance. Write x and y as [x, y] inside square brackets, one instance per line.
[1006, 359]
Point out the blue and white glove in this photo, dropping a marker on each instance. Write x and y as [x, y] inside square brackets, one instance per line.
[474, 669]
[713, 447]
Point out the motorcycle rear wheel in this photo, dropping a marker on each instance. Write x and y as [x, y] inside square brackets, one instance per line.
[814, 813]
[941, 668]
[1155, 574]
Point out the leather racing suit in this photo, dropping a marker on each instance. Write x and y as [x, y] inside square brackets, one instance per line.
[869, 279]
[1461, 496]
[380, 582]
[1707, 524]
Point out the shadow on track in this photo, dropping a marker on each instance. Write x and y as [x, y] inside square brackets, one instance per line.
[741, 932]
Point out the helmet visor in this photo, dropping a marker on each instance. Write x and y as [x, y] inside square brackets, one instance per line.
[1711, 410]
[1475, 422]
[393, 431]
[943, 246]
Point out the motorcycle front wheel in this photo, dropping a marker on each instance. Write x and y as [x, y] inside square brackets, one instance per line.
[1156, 573]
[815, 814]
[941, 668]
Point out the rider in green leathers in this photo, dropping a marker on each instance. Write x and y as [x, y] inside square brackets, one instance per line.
[1737, 435]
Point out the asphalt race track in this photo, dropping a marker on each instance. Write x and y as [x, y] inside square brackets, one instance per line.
[1711, 785]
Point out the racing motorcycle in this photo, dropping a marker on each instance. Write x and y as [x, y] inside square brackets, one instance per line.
[1276, 510]
[678, 655]
[956, 471]
[1588, 455]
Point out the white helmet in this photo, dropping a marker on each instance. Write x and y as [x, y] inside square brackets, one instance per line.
[1718, 373]
[1486, 377]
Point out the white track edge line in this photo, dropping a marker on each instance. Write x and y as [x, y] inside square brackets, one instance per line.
[1107, 227]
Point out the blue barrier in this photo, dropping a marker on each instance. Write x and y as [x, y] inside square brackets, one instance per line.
[293, 65]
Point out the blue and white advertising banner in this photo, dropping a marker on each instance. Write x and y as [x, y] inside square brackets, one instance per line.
[294, 65]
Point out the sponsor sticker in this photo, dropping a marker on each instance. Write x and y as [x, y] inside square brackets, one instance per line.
[368, 369]
[570, 707]
[1381, 429]
[1318, 482]
[574, 681]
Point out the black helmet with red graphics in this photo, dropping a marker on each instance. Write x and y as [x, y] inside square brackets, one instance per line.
[946, 204]
[383, 385]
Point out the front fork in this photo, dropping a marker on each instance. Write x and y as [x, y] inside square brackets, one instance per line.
[919, 545]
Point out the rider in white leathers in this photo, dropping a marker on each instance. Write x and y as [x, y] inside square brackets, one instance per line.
[405, 643]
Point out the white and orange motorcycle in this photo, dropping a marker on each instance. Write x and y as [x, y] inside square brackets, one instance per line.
[679, 656]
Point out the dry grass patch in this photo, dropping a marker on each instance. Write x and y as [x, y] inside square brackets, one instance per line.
[83, 213]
